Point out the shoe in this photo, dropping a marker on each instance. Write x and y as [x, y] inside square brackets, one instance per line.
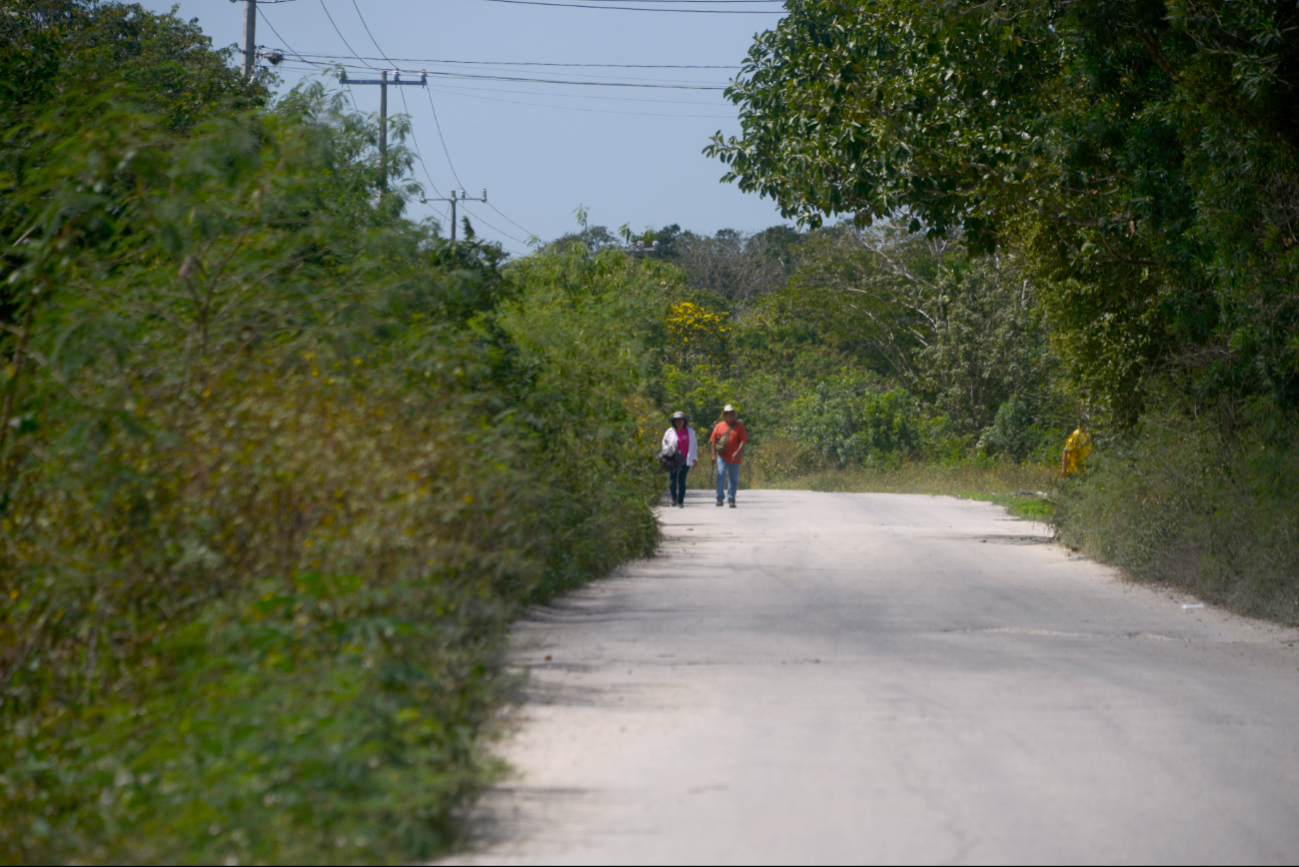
[719, 503]
[732, 504]
[681, 504]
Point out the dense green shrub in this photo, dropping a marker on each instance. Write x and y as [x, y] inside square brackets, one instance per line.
[588, 331]
[263, 625]
[1199, 505]
[282, 467]
[1013, 431]
[854, 424]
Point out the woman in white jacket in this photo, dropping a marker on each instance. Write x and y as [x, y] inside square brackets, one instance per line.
[680, 440]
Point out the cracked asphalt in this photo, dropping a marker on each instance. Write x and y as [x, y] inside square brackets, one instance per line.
[861, 678]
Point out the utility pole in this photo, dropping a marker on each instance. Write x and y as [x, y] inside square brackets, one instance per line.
[250, 38]
[456, 196]
[383, 83]
[250, 51]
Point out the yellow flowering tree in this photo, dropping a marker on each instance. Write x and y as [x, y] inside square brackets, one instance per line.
[697, 337]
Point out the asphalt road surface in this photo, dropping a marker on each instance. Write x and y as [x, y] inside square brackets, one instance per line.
[831, 678]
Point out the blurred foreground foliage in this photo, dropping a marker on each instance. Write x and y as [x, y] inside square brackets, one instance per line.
[278, 468]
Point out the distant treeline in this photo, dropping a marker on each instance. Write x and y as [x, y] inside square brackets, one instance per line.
[844, 346]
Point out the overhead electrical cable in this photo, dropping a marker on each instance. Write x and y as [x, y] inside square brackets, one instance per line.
[640, 8]
[423, 164]
[291, 50]
[486, 77]
[490, 226]
[507, 68]
[458, 92]
[503, 214]
[438, 125]
[341, 36]
[696, 2]
[586, 110]
[404, 104]
[534, 63]
[472, 93]
[480, 88]
[368, 33]
[283, 41]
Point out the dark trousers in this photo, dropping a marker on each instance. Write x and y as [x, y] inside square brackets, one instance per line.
[677, 484]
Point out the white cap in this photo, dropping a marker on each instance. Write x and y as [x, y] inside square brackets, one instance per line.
[728, 408]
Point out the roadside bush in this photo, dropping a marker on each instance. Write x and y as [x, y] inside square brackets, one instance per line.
[282, 467]
[1183, 502]
[1013, 431]
[854, 425]
[261, 623]
[586, 329]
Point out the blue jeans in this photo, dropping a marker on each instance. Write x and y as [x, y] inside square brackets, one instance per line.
[677, 484]
[725, 470]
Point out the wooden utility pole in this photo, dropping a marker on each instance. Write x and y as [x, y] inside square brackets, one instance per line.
[456, 196]
[383, 83]
[250, 38]
[383, 123]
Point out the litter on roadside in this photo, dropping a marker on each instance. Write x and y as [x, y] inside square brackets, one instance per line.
[1196, 605]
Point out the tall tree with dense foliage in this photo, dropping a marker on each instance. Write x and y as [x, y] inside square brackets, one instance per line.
[1142, 155]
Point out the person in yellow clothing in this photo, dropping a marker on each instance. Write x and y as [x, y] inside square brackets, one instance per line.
[1076, 449]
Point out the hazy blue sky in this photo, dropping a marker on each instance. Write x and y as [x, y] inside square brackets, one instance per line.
[630, 155]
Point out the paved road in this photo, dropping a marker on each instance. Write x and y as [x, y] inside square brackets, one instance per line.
[862, 678]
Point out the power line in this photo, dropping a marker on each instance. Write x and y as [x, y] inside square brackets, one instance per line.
[286, 44]
[503, 214]
[533, 63]
[438, 124]
[468, 75]
[693, 2]
[418, 152]
[640, 8]
[479, 88]
[371, 35]
[570, 69]
[341, 36]
[283, 41]
[587, 110]
[441, 137]
[495, 229]
[573, 108]
[415, 139]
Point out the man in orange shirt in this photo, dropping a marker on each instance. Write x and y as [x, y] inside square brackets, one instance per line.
[727, 441]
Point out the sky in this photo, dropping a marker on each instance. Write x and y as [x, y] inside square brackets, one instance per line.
[630, 155]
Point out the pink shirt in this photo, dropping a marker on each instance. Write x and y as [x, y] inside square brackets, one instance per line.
[683, 440]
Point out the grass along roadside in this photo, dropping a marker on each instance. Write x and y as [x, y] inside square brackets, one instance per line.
[1026, 491]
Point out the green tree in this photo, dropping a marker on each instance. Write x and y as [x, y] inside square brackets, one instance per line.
[1141, 156]
[734, 266]
[964, 333]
